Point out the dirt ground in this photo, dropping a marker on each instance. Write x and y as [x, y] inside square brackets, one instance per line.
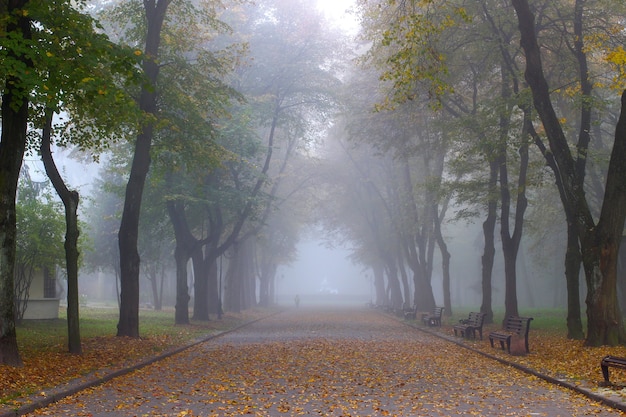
[355, 362]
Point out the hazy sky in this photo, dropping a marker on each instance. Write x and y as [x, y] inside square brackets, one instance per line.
[338, 11]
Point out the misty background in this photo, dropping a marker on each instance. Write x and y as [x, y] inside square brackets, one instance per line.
[331, 217]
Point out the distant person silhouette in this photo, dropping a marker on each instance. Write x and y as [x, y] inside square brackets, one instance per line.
[297, 301]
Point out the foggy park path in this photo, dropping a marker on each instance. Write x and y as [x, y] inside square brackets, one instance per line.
[350, 362]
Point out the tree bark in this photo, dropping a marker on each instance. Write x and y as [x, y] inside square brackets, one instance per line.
[489, 250]
[200, 285]
[70, 202]
[185, 243]
[232, 287]
[215, 285]
[600, 249]
[572, 278]
[573, 258]
[181, 308]
[445, 266]
[128, 324]
[12, 146]
[393, 283]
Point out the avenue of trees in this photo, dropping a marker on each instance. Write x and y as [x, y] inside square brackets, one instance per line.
[529, 94]
[223, 131]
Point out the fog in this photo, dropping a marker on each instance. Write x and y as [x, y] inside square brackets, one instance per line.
[322, 275]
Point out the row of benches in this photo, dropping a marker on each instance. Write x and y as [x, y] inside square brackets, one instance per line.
[512, 326]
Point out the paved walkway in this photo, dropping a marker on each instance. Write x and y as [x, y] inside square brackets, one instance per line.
[327, 363]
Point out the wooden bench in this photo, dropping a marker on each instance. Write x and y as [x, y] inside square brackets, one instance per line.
[434, 318]
[468, 327]
[513, 325]
[614, 361]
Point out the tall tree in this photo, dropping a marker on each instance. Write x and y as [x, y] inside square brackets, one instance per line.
[87, 82]
[128, 325]
[176, 97]
[70, 202]
[17, 61]
[599, 242]
[47, 57]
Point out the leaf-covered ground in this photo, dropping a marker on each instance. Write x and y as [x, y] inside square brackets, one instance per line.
[554, 355]
[343, 363]
[49, 365]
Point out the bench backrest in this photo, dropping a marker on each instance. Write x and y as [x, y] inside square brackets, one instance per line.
[438, 311]
[519, 325]
[475, 319]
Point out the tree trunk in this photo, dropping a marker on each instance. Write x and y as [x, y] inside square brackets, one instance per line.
[600, 249]
[128, 324]
[12, 146]
[247, 274]
[573, 258]
[70, 202]
[264, 290]
[572, 278]
[445, 267]
[232, 299]
[439, 209]
[273, 289]
[181, 313]
[215, 284]
[156, 283]
[406, 288]
[266, 277]
[424, 298]
[379, 284]
[511, 241]
[164, 274]
[211, 299]
[489, 251]
[395, 292]
[200, 286]
[185, 243]
[418, 244]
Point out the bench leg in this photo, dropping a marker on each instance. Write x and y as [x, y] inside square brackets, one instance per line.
[605, 372]
[508, 344]
[491, 341]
